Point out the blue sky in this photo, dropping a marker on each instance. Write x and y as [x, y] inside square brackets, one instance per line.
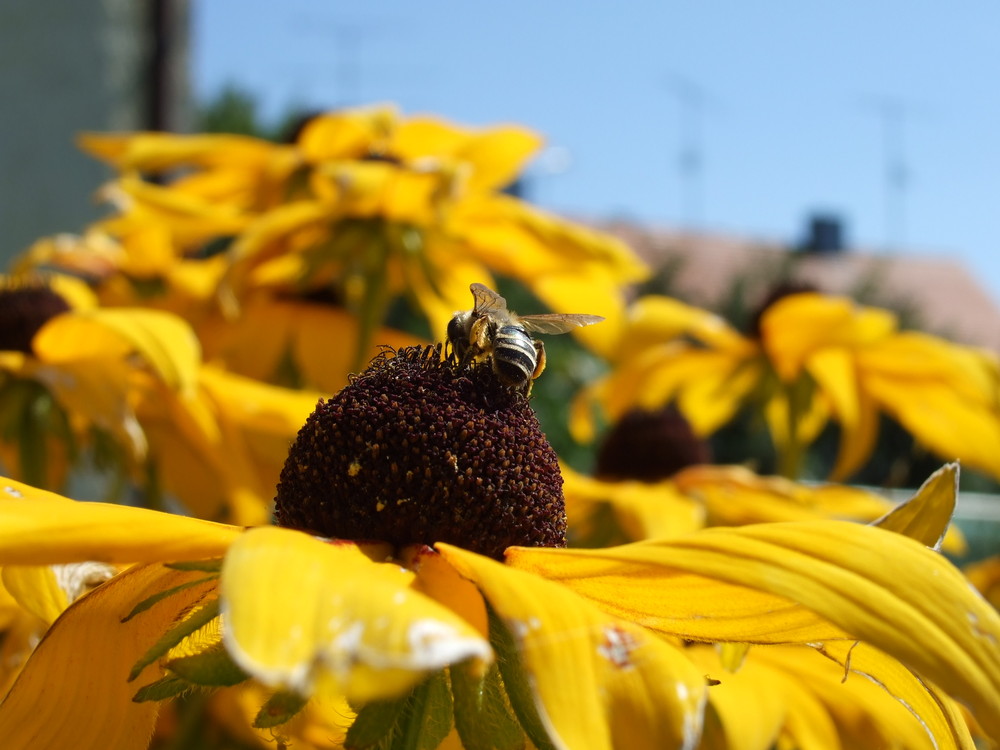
[794, 102]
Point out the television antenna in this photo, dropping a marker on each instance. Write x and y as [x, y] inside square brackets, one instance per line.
[692, 103]
[893, 114]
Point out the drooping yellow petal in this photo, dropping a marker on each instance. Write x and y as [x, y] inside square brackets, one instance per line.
[857, 444]
[654, 319]
[351, 134]
[36, 589]
[74, 692]
[347, 626]
[163, 340]
[33, 532]
[877, 586]
[192, 220]
[800, 325]
[938, 417]
[749, 706]
[936, 713]
[599, 682]
[495, 155]
[154, 152]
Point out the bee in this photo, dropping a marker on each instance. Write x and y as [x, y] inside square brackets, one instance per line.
[490, 331]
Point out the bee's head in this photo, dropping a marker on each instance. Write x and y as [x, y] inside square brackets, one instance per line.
[459, 328]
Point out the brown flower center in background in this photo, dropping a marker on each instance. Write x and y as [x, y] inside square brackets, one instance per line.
[24, 308]
[650, 446]
[418, 450]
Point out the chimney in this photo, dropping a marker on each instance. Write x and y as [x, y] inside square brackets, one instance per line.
[824, 234]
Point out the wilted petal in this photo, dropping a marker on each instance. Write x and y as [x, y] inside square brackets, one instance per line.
[599, 682]
[306, 615]
[877, 586]
[73, 691]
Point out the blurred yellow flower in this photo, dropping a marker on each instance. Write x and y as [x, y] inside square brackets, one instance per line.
[985, 576]
[818, 357]
[366, 203]
[697, 497]
[213, 440]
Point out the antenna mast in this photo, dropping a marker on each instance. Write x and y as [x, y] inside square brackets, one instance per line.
[691, 101]
[893, 113]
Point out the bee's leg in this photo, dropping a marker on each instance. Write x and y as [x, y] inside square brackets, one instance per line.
[539, 365]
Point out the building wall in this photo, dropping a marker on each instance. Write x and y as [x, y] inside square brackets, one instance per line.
[68, 66]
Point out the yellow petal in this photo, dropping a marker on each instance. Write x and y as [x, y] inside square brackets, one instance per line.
[877, 586]
[347, 626]
[857, 442]
[599, 682]
[800, 325]
[443, 584]
[36, 589]
[655, 319]
[32, 532]
[936, 713]
[154, 152]
[927, 515]
[748, 708]
[73, 691]
[350, 134]
[643, 510]
[734, 495]
[163, 340]
[939, 417]
[496, 155]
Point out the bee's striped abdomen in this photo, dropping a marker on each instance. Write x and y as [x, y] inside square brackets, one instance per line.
[514, 356]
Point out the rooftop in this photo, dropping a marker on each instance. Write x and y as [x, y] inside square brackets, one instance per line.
[937, 293]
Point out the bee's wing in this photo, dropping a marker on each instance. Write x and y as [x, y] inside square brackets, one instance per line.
[556, 322]
[487, 301]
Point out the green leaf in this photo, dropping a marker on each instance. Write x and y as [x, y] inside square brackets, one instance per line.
[483, 715]
[159, 596]
[161, 690]
[418, 721]
[175, 635]
[280, 708]
[213, 667]
[522, 699]
[375, 723]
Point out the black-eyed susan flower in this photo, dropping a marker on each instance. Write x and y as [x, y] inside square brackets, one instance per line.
[131, 382]
[588, 645]
[368, 203]
[817, 358]
[421, 211]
